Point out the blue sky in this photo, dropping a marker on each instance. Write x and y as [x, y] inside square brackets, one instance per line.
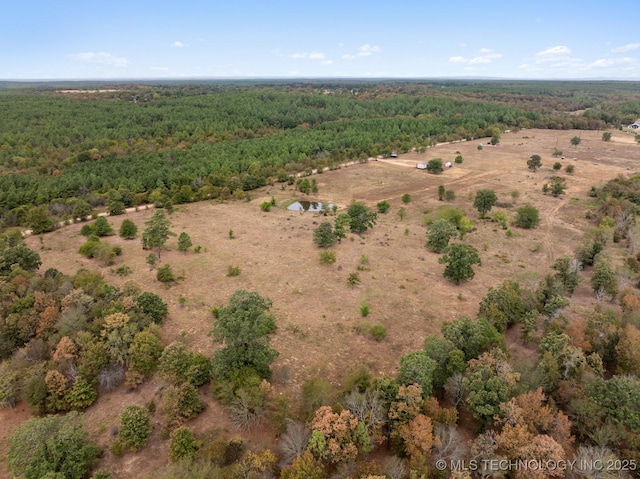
[71, 39]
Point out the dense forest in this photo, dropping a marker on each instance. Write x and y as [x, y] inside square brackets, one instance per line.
[130, 144]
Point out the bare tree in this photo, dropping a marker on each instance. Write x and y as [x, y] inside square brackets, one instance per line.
[367, 407]
[454, 389]
[394, 468]
[294, 441]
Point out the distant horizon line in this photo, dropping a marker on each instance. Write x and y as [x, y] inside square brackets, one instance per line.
[311, 78]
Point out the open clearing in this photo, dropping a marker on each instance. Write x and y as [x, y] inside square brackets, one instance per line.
[316, 311]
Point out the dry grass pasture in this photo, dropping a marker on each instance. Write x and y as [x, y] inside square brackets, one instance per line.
[316, 311]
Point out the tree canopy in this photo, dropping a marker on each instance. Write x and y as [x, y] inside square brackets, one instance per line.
[484, 201]
[157, 231]
[52, 445]
[244, 326]
[460, 259]
[361, 217]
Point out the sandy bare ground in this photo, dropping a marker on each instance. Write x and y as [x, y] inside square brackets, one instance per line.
[316, 311]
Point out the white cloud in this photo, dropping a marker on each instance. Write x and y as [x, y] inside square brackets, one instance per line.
[463, 45]
[179, 44]
[101, 58]
[367, 50]
[559, 50]
[608, 62]
[327, 62]
[626, 48]
[487, 57]
[309, 56]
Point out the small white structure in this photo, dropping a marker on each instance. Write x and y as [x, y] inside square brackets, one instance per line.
[421, 166]
[448, 164]
[635, 126]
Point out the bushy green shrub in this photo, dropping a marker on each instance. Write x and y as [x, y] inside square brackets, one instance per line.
[378, 332]
[266, 206]
[183, 445]
[383, 206]
[135, 427]
[527, 217]
[165, 274]
[327, 257]
[180, 403]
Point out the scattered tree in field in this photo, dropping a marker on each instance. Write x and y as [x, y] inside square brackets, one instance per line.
[534, 163]
[458, 159]
[604, 279]
[157, 232]
[557, 166]
[557, 185]
[459, 259]
[441, 191]
[244, 327]
[324, 236]
[361, 218]
[606, 136]
[557, 152]
[450, 195]
[52, 446]
[128, 229]
[527, 217]
[570, 169]
[439, 234]
[435, 166]
[184, 242]
[406, 198]
[575, 141]
[484, 201]
[402, 213]
[101, 227]
[342, 226]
